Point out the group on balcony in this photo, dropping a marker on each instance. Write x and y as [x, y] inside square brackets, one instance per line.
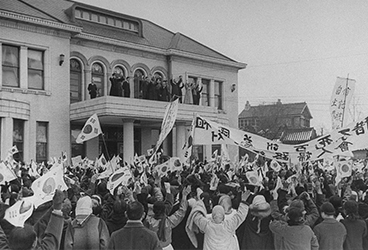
[156, 89]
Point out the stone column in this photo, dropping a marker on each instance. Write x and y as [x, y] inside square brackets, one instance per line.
[6, 135]
[23, 67]
[128, 137]
[180, 138]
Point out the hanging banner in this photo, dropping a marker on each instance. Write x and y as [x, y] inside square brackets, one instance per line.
[168, 122]
[349, 138]
[340, 100]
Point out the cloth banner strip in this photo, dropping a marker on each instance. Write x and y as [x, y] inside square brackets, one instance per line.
[349, 138]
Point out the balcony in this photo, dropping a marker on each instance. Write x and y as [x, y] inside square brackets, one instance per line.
[112, 110]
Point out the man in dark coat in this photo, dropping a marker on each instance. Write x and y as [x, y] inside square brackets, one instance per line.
[176, 89]
[126, 87]
[134, 235]
[92, 90]
[116, 88]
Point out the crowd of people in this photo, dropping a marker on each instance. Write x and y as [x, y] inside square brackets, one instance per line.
[207, 205]
[155, 88]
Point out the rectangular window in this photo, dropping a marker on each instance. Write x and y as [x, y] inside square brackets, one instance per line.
[78, 13]
[205, 92]
[118, 23]
[103, 19]
[110, 21]
[218, 95]
[10, 66]
[94, 17]
[18, 138]
[42, 141]
[35, 69]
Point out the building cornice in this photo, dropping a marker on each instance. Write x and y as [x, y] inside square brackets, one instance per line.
[174, 52]
[164, 52]
[40, 21]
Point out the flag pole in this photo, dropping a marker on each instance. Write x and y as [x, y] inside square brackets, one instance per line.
[104, 142]
[346, 93]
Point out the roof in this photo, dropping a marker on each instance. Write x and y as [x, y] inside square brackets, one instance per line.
[152, 34]
[287, 109]
[298, 135]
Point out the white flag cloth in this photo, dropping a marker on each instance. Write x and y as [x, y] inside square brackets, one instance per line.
[343, 169]
[77, 160]
[168, 122]
[32, 171]
[90, 130]
[121, 176]
[175, 164]
[6, 174]
[275, 165]
[254, 178]
[340, 100]
[45, 186]
[20, 211]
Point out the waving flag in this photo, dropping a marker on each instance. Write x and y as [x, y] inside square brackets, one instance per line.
[45, 186]
[254, 178]
[121, 176]
[168, 122]
[275, 165]
[20, 211]
[90, 130]
[343, 169]
[6, 175]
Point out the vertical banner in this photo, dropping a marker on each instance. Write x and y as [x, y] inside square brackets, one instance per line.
[168, 122]
[340, 100]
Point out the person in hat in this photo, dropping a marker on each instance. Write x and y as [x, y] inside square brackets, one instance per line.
[162, 224]
[294, 233]
[86, 231]
[330, 233]
[254, 232]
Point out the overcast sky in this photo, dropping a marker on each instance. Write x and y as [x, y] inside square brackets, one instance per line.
[294, 50]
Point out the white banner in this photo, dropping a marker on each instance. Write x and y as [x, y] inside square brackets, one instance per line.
[168, 121]
[352, 137]
[340, 100]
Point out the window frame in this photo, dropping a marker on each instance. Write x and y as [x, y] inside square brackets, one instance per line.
[8, 66]
[35, 70]
[43, 144]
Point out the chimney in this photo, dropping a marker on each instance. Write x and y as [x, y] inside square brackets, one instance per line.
[247, 106]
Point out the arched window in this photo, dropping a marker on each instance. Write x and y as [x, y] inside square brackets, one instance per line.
[98, 77]
[75, 81]
[138, 77]
[158, 75]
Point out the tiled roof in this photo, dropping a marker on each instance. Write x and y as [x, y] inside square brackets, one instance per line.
[298, 135]
[21, 7]
[153, 35]
[287, 109]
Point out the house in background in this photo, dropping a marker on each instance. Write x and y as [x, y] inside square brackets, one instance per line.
[289, 122]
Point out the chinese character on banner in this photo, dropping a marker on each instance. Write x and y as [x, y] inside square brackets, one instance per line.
[340, 100]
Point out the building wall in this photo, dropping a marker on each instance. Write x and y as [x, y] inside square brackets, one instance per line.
[50, 105]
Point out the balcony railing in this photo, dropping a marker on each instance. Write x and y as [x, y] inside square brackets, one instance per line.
[138, 109]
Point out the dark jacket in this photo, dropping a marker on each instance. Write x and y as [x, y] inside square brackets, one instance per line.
[134, 236]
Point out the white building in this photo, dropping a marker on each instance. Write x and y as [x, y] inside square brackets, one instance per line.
[51, 52]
